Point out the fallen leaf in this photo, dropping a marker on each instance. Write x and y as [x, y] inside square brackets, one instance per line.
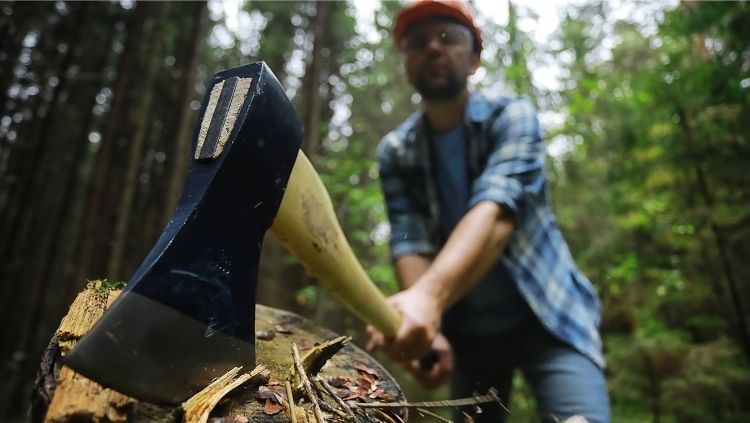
[265, 393]
[271, 408]
[367, 383]
[355, 395]
[364, 383]
[284, 328]
[369, 370]
[381, 394]
[275, 393]
[339, 382]
[265, 335]
[366, 376]
[260, 378]
[343, 392]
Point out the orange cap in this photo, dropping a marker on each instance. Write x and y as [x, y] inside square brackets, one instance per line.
[422, 9]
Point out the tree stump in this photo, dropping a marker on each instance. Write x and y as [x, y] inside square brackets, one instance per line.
[63, 395]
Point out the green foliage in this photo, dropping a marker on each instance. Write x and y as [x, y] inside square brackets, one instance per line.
[658, 136]
[104, 285]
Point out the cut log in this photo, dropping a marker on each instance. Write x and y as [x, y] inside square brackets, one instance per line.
[64, 395]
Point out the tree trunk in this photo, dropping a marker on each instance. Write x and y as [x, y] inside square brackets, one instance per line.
[16, 222]
[142, 123]
[20, 255]
[94, 222]
[56, 290]
[181, 146]
[30, 204]
[296, 276]
[313, 103]
[725, 263]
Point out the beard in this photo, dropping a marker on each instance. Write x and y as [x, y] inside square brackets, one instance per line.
[447, 89]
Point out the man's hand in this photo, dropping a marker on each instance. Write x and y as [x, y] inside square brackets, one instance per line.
[440, 369]
[420, 324]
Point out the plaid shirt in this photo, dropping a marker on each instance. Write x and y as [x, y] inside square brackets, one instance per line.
[505, 163]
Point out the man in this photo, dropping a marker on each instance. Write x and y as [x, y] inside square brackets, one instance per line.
[474, 242]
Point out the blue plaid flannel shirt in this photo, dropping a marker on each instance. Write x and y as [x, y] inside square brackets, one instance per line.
[505, 154]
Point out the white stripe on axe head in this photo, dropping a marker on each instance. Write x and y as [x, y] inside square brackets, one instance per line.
[241, 88]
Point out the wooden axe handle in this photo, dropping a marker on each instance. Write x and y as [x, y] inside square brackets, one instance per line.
[307, 226]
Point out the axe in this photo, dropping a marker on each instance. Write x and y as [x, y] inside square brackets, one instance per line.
[187, 315]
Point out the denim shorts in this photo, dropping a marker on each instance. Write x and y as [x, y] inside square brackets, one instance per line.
[564, 381]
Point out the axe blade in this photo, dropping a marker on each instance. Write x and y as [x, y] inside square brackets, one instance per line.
[187, 315]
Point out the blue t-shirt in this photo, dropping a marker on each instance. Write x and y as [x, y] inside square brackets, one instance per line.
[496, 294]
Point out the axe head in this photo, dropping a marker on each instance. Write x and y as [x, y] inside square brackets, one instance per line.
[187, 315]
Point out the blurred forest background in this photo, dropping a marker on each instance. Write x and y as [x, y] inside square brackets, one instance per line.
[648, 131]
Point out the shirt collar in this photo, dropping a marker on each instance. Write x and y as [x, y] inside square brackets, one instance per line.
[477, 109]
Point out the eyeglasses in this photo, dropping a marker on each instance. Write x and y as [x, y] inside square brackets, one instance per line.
[447, 36]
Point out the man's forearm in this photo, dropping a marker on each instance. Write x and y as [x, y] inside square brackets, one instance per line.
[410, 268]
[472, 249]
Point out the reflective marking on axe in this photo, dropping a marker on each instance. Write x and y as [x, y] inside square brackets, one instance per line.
[187, 315]
[217, 124]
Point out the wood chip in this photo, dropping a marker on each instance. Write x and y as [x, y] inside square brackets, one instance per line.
[316, 357]
[491, 397]
[200, 405]
[306, 383]
[290, 402]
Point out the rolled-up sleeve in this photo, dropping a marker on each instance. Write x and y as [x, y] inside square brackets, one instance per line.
[514, 168]
[409, 234]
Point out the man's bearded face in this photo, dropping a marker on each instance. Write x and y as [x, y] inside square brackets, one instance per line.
[439, 57]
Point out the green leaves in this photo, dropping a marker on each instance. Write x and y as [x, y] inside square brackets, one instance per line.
[663, 127]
